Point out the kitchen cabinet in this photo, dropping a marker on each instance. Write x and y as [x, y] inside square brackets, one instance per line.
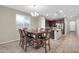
[57, 26]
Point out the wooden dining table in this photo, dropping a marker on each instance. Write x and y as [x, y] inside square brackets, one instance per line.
[36, 34]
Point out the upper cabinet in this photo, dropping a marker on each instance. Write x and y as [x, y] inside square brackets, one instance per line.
[52, 23]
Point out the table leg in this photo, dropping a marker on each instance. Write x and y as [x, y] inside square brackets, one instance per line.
[45, 47]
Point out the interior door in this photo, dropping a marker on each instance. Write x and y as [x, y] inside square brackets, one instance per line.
[72, 26]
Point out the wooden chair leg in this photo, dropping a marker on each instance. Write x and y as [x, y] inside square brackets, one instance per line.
[49, 44]
[20, 43]
[25, 47]
[33, 44]
[42, 43]
[45, 47]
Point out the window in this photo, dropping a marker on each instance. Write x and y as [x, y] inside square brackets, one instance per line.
[22, 21]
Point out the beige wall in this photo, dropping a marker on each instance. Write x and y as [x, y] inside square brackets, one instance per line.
[8, 24]
[41, 22]
[38, 22]
[34, 23]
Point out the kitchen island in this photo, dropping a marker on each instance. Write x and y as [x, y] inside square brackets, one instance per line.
[56, 34]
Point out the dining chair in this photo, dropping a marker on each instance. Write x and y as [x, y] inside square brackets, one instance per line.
[45, 39]
[29, 39]
[25, 39]
[21, 38]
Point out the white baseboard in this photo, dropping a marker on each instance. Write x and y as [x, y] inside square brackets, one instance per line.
[9, 41]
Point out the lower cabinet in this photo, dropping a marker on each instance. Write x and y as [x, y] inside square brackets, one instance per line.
[56, 34]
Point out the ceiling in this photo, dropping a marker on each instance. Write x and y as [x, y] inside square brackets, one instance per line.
[50, 11]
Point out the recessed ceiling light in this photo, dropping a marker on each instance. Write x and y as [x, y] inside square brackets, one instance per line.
[60, 11]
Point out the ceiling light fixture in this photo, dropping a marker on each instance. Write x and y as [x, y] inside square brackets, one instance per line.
[34, 14]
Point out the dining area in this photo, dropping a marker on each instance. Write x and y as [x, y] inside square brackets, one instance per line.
[36, 38]
[38, 32]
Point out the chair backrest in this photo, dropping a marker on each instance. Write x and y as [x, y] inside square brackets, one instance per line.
[25, 32]
[21, 33]
[25, 29]
[46, 34]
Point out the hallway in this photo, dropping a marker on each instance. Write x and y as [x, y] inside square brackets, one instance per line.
[66, 44]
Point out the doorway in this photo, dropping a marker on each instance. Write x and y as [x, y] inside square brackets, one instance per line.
[72, 26]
